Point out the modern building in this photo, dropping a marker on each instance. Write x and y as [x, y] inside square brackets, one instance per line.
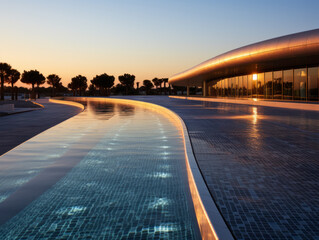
[283, 68]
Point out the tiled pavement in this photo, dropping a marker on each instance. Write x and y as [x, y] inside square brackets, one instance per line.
[17, 128]
[261, 165]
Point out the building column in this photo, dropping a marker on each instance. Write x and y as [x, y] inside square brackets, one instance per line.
[204, 88]
[187, 91]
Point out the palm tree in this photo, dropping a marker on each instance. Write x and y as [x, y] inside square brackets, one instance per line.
[54, 81]
[103, 82]
[160, 81]
[127, 80]
[33, 77]
[73, 87]
[78, 83]
[4, 70]
[155, 82]
[165, 80]
[12, 77]
[148, 85]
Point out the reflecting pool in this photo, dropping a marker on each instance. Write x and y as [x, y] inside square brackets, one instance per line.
[115, 171]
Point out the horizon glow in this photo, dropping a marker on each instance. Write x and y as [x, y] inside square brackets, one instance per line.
[146, 38]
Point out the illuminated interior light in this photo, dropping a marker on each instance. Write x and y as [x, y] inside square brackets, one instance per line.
[255, 76]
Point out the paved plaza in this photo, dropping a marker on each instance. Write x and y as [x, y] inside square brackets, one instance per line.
[260, 163]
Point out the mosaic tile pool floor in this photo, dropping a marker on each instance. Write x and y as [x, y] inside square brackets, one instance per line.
[123, 177]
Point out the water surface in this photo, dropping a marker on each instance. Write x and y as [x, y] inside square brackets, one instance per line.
[114, 171]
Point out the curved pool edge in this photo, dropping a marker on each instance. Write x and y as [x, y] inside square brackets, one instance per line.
[60, 101]
[209, 219]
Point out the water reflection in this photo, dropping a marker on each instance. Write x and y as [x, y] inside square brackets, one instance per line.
[125, 110]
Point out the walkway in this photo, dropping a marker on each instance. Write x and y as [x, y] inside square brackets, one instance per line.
[260, 163]
[17, 128]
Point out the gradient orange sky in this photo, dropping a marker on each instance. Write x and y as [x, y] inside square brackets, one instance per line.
[146, 38]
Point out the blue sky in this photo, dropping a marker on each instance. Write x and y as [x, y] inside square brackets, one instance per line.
[146, 38]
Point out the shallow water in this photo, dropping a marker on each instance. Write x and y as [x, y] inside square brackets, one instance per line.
[112, 172]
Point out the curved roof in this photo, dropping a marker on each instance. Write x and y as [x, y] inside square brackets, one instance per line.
[290, 51]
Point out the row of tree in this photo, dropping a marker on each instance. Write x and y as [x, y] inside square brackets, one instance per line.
[101, 85]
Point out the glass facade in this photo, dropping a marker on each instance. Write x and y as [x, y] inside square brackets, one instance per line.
[300, 86]
[313, 82]
[260, 85]
[288, 78]
[277, 85]
[293, 84]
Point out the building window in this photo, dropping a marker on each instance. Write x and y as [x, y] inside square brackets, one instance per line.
[261, 85]
[288, 84]
[250, 82]
[233, 87]
[313, 82]
[240, 86]
[245, 86]
[300, 78]
[277, 84]
[268, 83]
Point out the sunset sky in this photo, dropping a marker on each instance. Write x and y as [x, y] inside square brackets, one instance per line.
[147, 38]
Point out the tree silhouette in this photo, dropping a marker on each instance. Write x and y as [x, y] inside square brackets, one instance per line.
[103, 82]
[92, 90]
[33, 77]
[165, 80]
[78, 83]
[155, 82]
[73, 87]
[160, 81]
[148, 85]
[54, 81]
[4, 70]
[127, 80]
[12, 77]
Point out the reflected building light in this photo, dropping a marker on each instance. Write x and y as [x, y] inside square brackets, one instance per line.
[160, 175]
[165, 153]
[159, 203]
[165, 166]
[255, 115]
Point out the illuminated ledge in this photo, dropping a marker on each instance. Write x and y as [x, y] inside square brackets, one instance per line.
[75, 104]
[257, 102]
[210, 222]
